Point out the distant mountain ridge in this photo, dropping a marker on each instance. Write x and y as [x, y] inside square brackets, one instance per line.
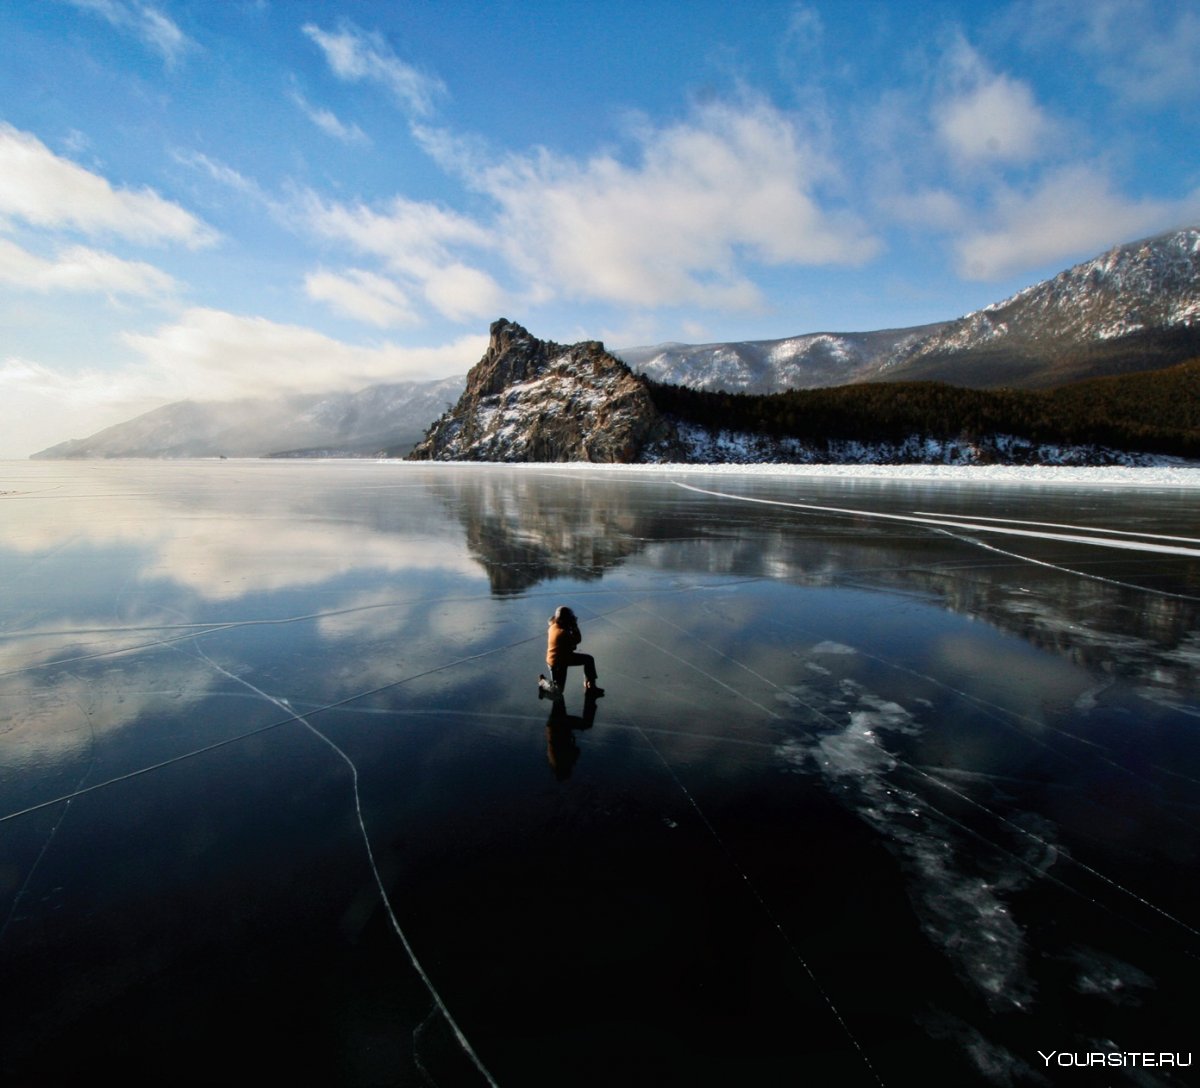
[364, 423]
[771, 366]
[1134, 308]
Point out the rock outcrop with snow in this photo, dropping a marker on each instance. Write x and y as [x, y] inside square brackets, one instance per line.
[534, 400]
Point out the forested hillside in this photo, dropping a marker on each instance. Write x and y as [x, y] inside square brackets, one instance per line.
[1155, 412]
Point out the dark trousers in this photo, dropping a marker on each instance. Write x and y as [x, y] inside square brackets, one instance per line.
[559, 671]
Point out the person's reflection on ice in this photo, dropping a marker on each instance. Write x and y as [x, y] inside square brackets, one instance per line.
[562, 751]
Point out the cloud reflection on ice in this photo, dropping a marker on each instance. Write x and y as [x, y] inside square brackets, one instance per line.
[241, 533]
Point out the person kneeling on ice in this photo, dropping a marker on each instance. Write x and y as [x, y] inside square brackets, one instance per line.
[562, 638]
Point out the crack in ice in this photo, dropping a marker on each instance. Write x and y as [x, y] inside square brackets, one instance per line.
[387, 903]
[942, 520]
[763, 905]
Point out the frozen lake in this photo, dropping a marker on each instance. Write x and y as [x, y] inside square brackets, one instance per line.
[895, 780]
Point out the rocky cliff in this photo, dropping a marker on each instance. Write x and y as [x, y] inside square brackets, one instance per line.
[534, 400]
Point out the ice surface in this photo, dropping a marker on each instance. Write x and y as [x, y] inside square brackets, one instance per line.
[895, 778]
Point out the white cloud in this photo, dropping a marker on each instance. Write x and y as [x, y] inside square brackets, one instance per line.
[355, 56]
[1021, 197]
[685, 221]
[78, 268]
[462, 293]
[737, 185]
[1150, 60]
[1144, 50]
[363, 296]
[412, 236]
[420, 242]
[988, 118]
[216, 355]
[998, 121]
[219, 172]
[805, 31]
[937, 208]
[69, 390]
[143, 21]
[45, 190]
[329, 123]
[161, 34]
[1073, 213]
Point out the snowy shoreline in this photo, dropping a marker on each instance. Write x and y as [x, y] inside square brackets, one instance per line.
[1184, 477]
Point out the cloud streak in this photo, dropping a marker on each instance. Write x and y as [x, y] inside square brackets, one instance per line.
[48, 191]
[329, 123]
[1143, 51]
[81, 269]
[421, 242]
[363, 296]
[145, 22]
[356, 56]
[216, 355]
[1072, 210]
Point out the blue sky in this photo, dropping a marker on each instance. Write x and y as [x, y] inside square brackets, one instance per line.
[215, 199]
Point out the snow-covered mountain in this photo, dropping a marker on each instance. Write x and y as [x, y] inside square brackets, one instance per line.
[379, 417]
[770, 366]
[1134, 308]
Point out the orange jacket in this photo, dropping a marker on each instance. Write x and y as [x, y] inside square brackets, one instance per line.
[561, 642]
